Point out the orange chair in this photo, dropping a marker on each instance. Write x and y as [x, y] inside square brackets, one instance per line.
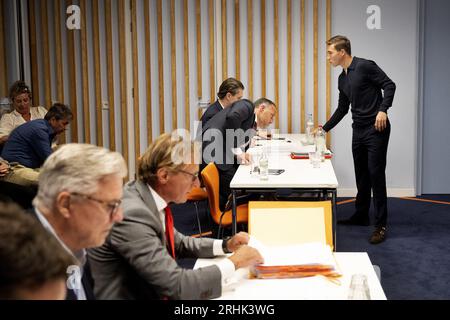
[196, 195]
[210, 176]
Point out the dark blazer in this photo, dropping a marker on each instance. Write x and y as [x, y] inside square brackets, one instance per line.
[211, 112]
[240, 115]
[217, 145]
[86, 279]
[134, 262]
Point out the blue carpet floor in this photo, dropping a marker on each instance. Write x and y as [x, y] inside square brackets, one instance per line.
[414, 259]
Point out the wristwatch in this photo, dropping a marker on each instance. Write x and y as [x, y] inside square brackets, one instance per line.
[224, 245]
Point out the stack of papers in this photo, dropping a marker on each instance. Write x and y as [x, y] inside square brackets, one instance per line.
[295, 261]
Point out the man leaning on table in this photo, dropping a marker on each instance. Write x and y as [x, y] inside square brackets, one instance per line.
[138, 260]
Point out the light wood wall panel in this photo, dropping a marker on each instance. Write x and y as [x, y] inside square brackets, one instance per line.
[224, 40]
[46, 53]
[237, 38]
[289, 65]
[97, 74]
[3, 75]
[160, 67]
[110, 75]
[316, 64]
[276, 61]
[212, 73]
[73, 99]
[328, 76]
[173, 65]
[198, 30]
[135, 90]
[123, 77]
[148, 71]
[147, 37]
[187, 105]
[250, 47]
[302, 65]
[263, 48]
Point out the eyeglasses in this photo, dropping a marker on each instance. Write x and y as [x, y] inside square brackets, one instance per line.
[112, 206]
[193, 175]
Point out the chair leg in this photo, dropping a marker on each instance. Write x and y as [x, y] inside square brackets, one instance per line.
[198, 219]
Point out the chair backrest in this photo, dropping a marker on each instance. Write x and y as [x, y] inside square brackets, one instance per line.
[291, 222]
[210, 176]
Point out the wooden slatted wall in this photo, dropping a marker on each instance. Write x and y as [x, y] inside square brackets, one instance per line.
[157, 35]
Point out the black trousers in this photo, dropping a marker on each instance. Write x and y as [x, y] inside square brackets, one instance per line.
[369, 156]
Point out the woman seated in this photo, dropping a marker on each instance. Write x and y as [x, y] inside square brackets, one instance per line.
[20, 96]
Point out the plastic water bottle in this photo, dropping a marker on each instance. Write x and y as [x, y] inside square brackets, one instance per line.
[309, 130]
[320, 143]
[264, 166]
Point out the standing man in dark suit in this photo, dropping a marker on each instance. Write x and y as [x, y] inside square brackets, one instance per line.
[228, 134]
[230, 91]
[361, 84]
[78, 201]
[138, 259]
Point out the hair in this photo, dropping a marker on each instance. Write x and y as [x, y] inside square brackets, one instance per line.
[59, 111]
[76, 167]
[230, 85]
[30, 256]
[265, 101]
[340, 42]
[18, 88]
[170, 151]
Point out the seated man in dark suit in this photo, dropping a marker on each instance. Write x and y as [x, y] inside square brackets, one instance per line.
[137, 260]
[230, 91]
[30, 144]
[78, 201]
[33, 262]
[228, 134]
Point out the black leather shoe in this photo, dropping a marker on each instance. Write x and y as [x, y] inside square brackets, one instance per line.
[378, 236]
[353, 221]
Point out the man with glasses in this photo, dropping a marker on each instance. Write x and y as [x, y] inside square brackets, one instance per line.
[138, 259]
[78, 201]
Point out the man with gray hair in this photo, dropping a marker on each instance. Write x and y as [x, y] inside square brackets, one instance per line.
[138, 259]
[78, 201]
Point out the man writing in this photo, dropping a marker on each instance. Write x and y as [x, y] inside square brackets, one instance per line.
[138, 260]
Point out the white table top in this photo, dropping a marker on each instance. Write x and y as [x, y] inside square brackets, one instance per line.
[299, 173]
[311, 288]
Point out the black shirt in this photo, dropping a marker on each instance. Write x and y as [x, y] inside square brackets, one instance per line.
[361, 87]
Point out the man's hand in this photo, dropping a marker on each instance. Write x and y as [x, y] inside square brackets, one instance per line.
[238, 240]
[4, 168]
[3, 139]
[381, 121]
[243, 158]
[246, 256]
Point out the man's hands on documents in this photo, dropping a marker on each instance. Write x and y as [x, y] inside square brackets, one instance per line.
[244, 255]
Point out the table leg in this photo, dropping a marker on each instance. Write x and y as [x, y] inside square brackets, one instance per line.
[334, 209]
[233, 214]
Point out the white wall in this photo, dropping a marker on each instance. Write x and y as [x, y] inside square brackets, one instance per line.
[394, 48]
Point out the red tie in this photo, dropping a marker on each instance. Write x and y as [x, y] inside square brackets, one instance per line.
[169, 232]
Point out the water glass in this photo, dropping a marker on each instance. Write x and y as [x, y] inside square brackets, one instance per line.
[314, 158]
[359, 288]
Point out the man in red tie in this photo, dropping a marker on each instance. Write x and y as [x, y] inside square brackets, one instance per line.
[137, 260]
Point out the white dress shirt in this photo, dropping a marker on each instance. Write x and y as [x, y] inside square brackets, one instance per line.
[12, 120]
[80, 256]
[226, 267]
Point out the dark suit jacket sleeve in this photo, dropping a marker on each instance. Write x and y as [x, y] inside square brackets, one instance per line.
[141, 245]
[238, 115]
